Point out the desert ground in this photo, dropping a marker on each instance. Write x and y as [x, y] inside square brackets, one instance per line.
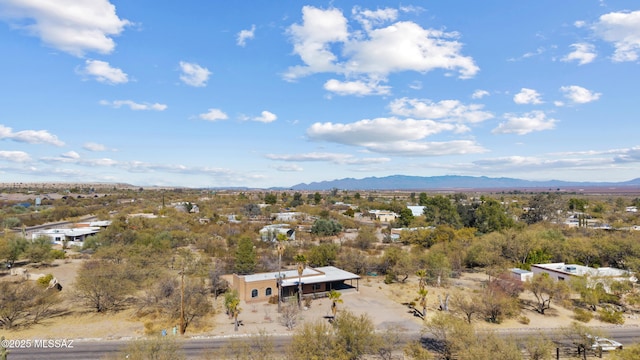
[383, 303]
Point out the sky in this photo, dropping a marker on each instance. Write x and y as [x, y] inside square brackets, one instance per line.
[276, 93]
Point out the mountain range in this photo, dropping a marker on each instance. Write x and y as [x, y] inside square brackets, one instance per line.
[455, 182]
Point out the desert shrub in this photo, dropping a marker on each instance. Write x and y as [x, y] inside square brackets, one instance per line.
[524, 320]
[273, 299]
[389, 278]
[57, 254]
[45, 280]
[582, 315]
[611, 316]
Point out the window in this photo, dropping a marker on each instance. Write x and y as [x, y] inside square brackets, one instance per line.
[316, 287]
[254, 293]
[267, 292]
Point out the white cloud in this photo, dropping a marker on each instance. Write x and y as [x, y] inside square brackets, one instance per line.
[194, 74]
[91, 146]
[312, 39]
[622, 29]
[14, 156]
[434, 148]
[72, 26]
[358, 88]
[30, 136]
[290, 168]
[582, 52]
[134, 105]
[213, 115]
[370, 18]
[71, 155]
[527, 96]
[328, 157]
[446, 110]
[103, 72]
[266, 117]
[579, 95]
[479, 94]
[393, 136]
[244, 35]
[376, 52]
[365, 132]
[527, 123]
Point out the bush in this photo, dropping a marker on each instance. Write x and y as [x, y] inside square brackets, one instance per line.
[611, 316]
[45, 280]
[582, 315]
[524, 320]
[389, 278]
[58, 254]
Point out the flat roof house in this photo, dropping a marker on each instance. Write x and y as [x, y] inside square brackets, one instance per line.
[564, 272]
[315, 281]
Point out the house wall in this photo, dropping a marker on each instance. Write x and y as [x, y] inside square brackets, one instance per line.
[246, 289]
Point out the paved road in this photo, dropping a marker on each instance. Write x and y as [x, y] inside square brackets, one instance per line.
[195, 348]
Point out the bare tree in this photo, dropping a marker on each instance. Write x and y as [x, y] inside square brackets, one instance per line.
[289, 314]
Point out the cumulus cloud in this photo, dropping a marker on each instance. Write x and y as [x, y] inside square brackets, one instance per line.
[579, 95]
[479, 94]
[370, 18]
[527, 96]
[71, 155]
[393, 136]
[30, 136]
[72, 26]
[622, 30]
[583, 53]
[374, 52]
[134, 105]
[103, 72]
[527, 123]
[445, 110]
[91, 146]
[358, 88]
[213, 115]
[244, 35]
[266, 117]
[14, 156]
[194, 74]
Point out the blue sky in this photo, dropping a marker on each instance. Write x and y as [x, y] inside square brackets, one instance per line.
[275, 93]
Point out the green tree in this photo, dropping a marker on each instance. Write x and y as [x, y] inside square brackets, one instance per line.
[326, 227]
[317, 198]
[491, 216]
[270, 199]
[12, 248]
[405, 217]
[439, 210]
[39, 250]
[323, 255]
[245, 256]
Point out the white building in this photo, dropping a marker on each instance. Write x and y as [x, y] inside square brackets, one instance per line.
[564, 272]
[270, 232]
[75, 236]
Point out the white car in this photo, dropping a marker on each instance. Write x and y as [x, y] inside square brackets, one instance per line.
[606, 344]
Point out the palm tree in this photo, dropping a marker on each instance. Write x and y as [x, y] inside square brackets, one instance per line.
[301, 260]
[334, 296]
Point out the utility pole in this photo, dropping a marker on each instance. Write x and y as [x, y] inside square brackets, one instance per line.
[182, 327]
[280, 248]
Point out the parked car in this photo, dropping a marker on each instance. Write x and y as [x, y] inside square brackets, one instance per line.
[606, 344]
